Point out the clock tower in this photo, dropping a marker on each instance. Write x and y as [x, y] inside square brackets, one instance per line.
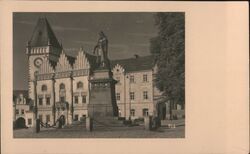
[43, 43]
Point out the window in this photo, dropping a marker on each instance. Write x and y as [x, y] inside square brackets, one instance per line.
[118, 97]
[62, 99]
[40, 100]
[132, 96]
[44, 88]
[62, 86]
[48, 118]
[132, 79]
[145, 95]
[22, 111]
[76, 117]
[48, 101]
[145, 78]
[41, 117]
[79, 85]
[17, 111]
[29, 121]
[84, 99]
[145, 112]
[76, 99]
[132, 112]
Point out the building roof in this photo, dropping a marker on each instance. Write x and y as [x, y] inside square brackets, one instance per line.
[71, 59]
[92, 60]
[18, 92]
[43, 34]
[135, 64]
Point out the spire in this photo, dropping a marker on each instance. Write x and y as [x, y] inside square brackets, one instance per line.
[43, 35]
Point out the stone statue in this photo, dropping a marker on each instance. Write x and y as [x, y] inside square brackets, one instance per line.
[101, 50]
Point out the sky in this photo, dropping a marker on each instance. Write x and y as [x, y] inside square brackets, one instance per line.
[128, 34]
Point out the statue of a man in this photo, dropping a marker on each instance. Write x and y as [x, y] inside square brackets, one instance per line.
[101, 49]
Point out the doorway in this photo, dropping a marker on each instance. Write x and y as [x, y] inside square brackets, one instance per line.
[20, 123]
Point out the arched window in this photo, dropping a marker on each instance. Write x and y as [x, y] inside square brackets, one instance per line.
[62, 86]
[44, 87]
[79, 85]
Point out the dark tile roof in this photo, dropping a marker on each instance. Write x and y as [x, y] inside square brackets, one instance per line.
[71, 59]
[16, 93]
[135, 64]
[42, 34]
[53, 63]
[24, 92]
[92, 60]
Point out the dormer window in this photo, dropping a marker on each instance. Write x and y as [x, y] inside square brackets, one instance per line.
[44, 88]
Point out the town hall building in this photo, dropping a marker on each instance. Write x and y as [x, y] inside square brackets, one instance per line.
[60, 84]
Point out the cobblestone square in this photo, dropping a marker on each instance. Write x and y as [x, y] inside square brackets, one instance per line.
[79, 131]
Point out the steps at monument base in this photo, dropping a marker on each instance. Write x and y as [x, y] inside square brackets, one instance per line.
[107, 122]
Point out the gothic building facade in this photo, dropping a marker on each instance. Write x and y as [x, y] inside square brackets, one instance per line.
[59, 83]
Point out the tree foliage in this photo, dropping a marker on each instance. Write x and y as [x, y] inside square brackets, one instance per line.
[169, 51]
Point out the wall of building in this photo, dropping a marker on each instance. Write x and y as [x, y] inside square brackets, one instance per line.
[45, 109]
[29, 119]
[20, 108]
[125, 87]
[80, 108]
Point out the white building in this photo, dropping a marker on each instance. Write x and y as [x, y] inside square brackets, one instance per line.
[134, 90]
[22, 109]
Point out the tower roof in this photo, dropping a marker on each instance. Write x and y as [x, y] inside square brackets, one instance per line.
[135, 64]
[43, 35]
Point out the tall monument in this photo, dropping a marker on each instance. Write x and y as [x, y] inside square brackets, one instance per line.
[102, 91]
[101, 50]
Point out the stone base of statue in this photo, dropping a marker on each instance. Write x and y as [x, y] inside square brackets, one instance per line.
[102, 101]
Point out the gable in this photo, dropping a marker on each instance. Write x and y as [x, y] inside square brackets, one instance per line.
[81, 61]
[46, 67]
[63, 63]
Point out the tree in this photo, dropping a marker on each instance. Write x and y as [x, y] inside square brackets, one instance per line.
[168, 49]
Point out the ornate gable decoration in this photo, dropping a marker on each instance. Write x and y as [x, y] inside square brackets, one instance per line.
[63, 64]
[81, 61]
[46, 68]
[118, 69]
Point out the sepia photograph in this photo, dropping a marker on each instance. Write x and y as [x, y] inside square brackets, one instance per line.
[98, 75]
[110, 77]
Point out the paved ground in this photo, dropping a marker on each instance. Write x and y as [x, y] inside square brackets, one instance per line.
[79, 131]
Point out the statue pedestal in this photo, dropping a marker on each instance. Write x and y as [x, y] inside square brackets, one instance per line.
[102, 95]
